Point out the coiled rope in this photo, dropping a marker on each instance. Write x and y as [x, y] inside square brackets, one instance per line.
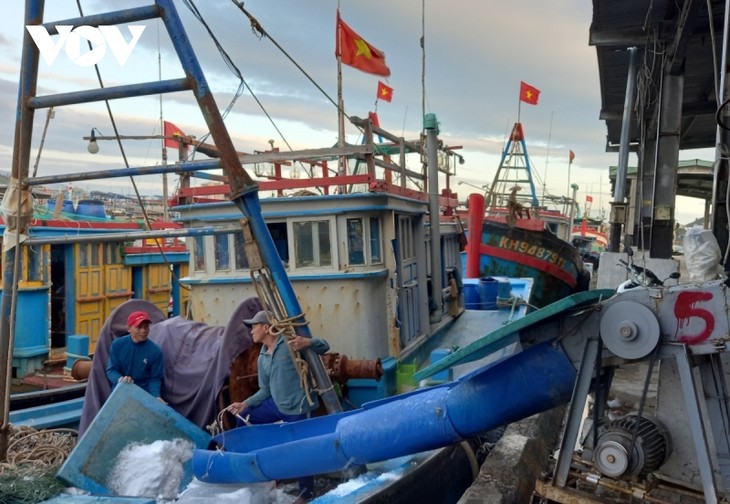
[28, 474]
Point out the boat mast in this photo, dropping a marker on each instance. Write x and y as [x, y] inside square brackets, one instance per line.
[514, 170]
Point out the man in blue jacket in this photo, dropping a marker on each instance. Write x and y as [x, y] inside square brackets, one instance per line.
[135, 359]
[280, 396]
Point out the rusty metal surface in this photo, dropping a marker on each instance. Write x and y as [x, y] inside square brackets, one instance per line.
[564, 495]
[341, 368]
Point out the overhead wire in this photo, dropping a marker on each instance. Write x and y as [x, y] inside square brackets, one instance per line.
[259, 32]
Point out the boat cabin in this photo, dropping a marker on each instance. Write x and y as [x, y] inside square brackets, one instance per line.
[359, 264]
[74, 272]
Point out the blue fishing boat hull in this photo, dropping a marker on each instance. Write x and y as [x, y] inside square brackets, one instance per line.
[406, 424]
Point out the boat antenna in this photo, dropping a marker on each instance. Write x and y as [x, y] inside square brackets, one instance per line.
[547, 155]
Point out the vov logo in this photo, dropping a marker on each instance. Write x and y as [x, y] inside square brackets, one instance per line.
[72, 38]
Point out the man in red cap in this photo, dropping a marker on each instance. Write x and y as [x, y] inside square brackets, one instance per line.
[135, 359]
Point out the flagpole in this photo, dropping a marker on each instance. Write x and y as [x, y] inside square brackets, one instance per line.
[165, 216]
[547, 157]
[423, 62]
[341, 166]
[570, 163]
[424, 166]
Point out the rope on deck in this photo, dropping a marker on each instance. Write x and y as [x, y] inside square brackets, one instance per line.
[34, 457]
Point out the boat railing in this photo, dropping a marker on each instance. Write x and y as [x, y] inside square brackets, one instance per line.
[388, 156]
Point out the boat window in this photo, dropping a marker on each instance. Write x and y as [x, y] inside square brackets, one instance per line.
[355, 242]
[35, 253]
[222, 255]
[278, 233]
[281, 239]
[405, 237]
[84, 254]
[312, 244]
[94, 253]
[240, 253]
[112, 252]
[376, 256]
[199, 254]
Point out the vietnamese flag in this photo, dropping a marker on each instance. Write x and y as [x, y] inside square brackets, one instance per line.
[170, 131]
[385, 92]
[529, 94]
[571, 156]
[354, 51]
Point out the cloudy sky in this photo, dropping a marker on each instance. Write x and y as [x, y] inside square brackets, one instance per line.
[476, 54]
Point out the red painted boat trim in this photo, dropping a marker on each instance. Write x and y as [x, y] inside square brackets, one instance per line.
[527, 260]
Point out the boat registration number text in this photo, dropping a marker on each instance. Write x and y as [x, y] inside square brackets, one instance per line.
[533, 250]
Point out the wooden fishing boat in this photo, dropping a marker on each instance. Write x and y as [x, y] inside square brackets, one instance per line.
[511, 235]
[79, 268]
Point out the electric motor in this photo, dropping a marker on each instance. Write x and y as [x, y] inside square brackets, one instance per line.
[631, 446]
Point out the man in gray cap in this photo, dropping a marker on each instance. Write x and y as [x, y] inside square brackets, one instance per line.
[280, 396]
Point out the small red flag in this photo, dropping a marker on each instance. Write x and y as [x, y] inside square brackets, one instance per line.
[571, 156]
[589, 199]
[354, 51]
[385, 92]
[529, 94]
[170, 131]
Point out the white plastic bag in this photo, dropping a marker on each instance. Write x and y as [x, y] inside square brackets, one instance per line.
[702, 255]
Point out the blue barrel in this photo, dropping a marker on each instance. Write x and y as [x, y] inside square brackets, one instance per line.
[504, 289]
[91, 208]
[488, 288]
[67, 206]
[31, 337]
[471, 296]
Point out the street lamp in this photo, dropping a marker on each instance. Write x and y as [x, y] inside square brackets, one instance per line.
[93, 146]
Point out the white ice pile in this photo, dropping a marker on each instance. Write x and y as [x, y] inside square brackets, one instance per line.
[150, 470]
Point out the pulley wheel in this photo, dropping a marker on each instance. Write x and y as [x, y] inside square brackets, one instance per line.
[629, 330]
[612, 458]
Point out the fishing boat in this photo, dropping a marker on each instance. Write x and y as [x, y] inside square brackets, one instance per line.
[366, 259]
[511, 235]
[591, 242]
[81, 265]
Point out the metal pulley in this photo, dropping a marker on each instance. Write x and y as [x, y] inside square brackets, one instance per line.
[631, 446]
[629, 330]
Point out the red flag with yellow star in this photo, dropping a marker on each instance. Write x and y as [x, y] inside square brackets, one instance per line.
[385, 92]
[529, 94]
[170, 131]
[354, 51]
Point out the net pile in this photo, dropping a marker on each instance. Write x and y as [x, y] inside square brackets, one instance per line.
[34, 457]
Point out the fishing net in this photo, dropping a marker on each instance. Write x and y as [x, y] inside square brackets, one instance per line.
[34, 457]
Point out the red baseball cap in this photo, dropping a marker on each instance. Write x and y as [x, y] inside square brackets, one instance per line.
[136, 318]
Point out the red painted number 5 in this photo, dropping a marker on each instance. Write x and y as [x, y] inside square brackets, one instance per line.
[684, 309]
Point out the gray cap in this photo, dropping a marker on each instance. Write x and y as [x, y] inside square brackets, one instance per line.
[259, 318]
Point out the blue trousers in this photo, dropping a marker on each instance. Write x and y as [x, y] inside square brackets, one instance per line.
[267, 412]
